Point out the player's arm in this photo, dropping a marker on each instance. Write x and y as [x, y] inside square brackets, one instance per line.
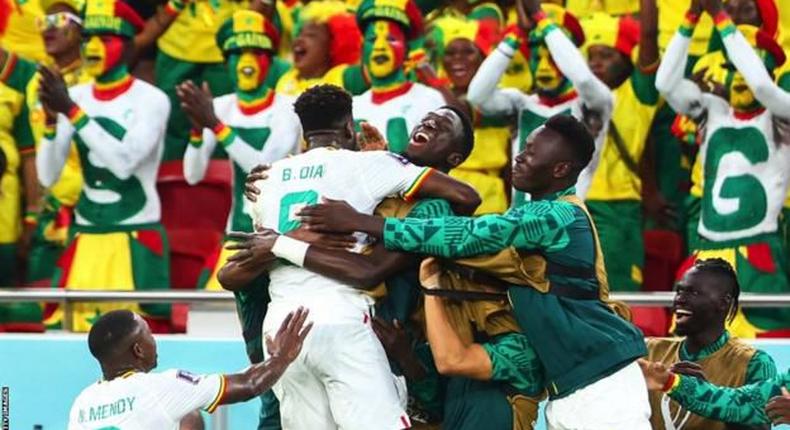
[750, 65]
[484, 93]
[451, 355]
[452, 237]
[682, 94]
[182, 392]
[384, 174]
[742, 405]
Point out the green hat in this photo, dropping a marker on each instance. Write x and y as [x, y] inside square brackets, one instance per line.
[404, 12]
[247, 29]
[111, 17]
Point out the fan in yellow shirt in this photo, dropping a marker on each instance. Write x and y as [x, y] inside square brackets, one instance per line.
[614, 197]
[21, 35]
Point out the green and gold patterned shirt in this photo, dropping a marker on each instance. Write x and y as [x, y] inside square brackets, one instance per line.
[760, 367]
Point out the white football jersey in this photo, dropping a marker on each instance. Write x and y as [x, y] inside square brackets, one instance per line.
[362, 179]
[144, 401]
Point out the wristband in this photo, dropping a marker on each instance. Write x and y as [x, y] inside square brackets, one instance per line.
[195, 138]
[31, 218]
[174, 7]
[78, 117]
[50, 131]
[290, 249]
[543, 23]
[689, 23]
[511, 42]
[724, 24]
[224, 134]
[672, 382]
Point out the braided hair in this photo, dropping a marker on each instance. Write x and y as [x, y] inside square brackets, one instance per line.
[720, 267]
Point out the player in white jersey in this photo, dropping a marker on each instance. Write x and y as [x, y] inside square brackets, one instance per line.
[343, 379]
[131, 397]
[564, 82]
[744, 156]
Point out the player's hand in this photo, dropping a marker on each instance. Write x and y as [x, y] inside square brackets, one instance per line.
[778, 408]
[336, 242]
[289, 339]
[393, 338]
[253, 248]
[197, 103]
[53, 92]
[656, 374]
[430, 270]
[258, 173]
[331, 216]
[370, 139]
[689, 368]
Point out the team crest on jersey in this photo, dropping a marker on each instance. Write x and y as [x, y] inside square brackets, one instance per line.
[189, 377]
[399, 157]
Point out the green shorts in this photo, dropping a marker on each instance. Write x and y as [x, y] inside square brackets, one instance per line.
[619, 225]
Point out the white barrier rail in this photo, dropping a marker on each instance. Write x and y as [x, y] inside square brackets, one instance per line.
[653, 299]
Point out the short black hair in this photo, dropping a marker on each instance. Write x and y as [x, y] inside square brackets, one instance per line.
[468, 133]
[110, 329]
[323, 107]
[576, 136]
[720, 267]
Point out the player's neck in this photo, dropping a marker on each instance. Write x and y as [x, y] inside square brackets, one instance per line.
[112, 83]
[697, 342]
[252, 102]
[389, 87]
[118, 371]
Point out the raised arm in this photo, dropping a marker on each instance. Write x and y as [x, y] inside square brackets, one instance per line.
[682, 94]
[532, 226]
[745, 59]
[484, 93]
[282, 350]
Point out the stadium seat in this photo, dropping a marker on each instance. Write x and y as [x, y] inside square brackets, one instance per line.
[652, 321]
[664, 252]
[194, 218]
[202, 206]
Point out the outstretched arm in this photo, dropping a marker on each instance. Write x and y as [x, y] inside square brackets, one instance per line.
[483, 91]
[532, 226]
[682, 94]
[282, 350]
[745, 59]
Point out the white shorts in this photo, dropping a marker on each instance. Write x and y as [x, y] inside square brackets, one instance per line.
[617, 402]
[341, 380]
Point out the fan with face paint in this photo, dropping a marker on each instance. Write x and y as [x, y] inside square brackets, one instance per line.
[549, 80]
[384, 51]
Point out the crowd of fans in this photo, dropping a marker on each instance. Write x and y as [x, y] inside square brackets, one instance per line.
[137, 180]
[654, 192]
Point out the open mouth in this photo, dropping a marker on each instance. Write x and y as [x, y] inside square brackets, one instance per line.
[740, 88]
[682, 315]
[458, 70]
[420, 138]
[247, 71]
[92, 59]
[299, 52]
[380, 59]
